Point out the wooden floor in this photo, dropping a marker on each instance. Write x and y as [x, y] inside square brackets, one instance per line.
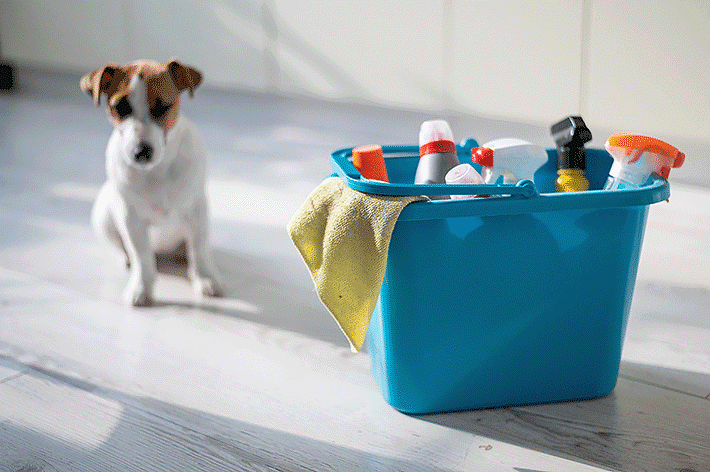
[263, 379]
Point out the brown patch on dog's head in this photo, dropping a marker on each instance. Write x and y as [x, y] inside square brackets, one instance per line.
[164, 84]
[105, 80]
[184, 77]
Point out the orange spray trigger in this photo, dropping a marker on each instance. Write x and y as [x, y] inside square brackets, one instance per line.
[636, 157]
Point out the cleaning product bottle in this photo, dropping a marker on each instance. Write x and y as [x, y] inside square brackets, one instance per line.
[464, 174]
[515, 159]
[636, 156]
[370, 162]
[570, 135]
[484, 157]
[491, 174]
[437, 153]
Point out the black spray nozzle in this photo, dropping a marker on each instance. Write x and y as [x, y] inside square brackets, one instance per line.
[570, 135]
[571, 132]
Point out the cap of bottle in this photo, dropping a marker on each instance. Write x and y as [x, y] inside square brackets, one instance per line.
[370, 162]
[463, 174]
[482, 156]
[570, 135]
[629, 148]
[435, 136]
[571, 131]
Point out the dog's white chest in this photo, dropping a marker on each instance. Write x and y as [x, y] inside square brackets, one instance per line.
[157, 200]
[162, 196]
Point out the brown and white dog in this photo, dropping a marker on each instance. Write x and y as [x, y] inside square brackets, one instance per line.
[154, 198]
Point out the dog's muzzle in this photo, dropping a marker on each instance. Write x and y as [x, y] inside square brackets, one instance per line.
[143, 153]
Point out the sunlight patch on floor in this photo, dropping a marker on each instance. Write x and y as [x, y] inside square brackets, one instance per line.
[75, 191]
[244, 202]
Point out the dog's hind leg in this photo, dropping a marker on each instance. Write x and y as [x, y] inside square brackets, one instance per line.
[103, 223]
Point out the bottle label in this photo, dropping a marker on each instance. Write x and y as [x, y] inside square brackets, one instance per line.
[436, 147]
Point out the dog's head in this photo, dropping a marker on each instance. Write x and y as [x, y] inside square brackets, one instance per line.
[143, 104]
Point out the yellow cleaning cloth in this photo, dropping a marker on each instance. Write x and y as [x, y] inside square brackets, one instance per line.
[343, 236]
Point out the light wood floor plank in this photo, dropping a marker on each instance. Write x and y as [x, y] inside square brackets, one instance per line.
[667, 354]
[9, 370]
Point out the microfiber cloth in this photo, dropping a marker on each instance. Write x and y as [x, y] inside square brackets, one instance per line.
[343, 236]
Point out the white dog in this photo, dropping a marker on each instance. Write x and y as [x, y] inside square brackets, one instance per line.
[154, 198]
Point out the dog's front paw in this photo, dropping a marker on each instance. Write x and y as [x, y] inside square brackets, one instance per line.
[208, 286]
[137, 294]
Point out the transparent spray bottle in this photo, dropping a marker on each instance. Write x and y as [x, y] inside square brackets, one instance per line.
[636, 157]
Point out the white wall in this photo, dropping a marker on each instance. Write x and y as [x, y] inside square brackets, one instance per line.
[224, 39]
[627, 65]
[649, 66]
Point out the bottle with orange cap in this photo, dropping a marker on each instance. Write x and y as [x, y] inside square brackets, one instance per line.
[370, 162]
[636, 157]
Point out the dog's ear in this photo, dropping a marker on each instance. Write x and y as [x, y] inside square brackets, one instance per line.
[184, 77]
[104, 80]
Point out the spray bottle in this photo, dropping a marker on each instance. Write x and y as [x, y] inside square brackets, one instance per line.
[570, 135]
[484, 157]
[636, 156]
[514, 159]
[437, 153]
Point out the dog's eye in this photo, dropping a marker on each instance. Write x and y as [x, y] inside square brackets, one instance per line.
[160, 109]
[123, 108]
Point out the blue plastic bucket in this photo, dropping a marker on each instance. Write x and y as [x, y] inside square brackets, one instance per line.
[503, 301]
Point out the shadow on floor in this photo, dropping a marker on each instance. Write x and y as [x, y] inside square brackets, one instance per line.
[260, 291]
[613, 431]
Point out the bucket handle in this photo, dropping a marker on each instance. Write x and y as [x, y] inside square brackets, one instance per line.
[345, 169]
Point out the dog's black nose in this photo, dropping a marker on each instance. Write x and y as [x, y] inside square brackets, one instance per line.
[143, 152]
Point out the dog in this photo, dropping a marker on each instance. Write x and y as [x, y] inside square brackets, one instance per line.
[154, 199]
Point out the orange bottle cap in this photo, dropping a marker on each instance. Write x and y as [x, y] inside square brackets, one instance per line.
[370, 162]
[638, 144]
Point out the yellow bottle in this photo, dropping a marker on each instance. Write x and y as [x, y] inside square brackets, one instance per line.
[571, 180]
